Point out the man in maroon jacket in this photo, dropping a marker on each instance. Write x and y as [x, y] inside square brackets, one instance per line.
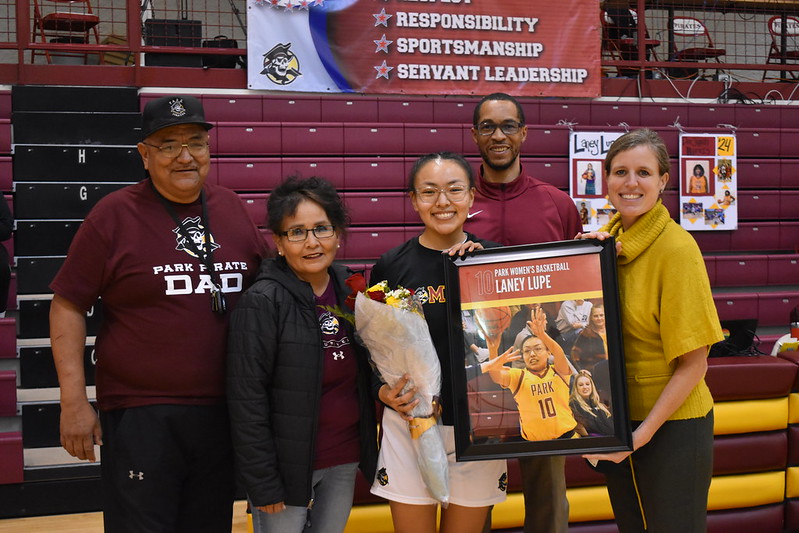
[511, 207]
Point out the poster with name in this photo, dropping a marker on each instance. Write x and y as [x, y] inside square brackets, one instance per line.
[708, 182]
[425, 47]
[587, 180]
[537, 322]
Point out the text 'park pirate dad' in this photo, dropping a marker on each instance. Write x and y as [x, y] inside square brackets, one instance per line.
[166, 256]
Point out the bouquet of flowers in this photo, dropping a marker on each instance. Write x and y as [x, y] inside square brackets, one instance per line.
[391, 325]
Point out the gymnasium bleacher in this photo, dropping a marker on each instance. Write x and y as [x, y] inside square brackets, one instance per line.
[365, 145]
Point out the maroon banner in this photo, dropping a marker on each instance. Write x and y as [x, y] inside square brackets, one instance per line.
[469, 47]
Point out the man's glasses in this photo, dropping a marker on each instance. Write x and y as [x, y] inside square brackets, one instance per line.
[508, 128]
[455, 193]
[322, 231]
[173, 149]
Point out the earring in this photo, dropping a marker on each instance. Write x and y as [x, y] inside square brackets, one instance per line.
[338, 246]
[279, 253]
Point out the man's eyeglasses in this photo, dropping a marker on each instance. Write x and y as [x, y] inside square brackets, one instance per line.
[455, 193]
[173, 149]
[508, 128]
[322, 231]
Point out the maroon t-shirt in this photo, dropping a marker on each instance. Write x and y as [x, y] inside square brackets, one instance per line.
[159, 342]
[337, 429]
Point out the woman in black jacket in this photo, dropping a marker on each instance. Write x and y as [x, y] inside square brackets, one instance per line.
[302, 413]
[592, 417]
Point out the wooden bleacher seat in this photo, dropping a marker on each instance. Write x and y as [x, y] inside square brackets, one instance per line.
[732, 306]
[8, 393]
[454, 110]
[330, 168]
[246, 138]
[783, 269]
[233, 108]
[553, 170]
[760, 173]
[373, 138]
[775, 307]
[376, 173]
[710, 116]
[741, 270]
[246, 174]
[291, 107]
[8, 336]
[757, 116]
[758, 142]
[312, 138]
[612, 113]
[553, 111]
[37, 369]
[422, 138]
[5, 136]
[544, 140]
[380, 208]
[349, 108]
[407, 109]
[255, 205]
[11, 460]
[369, 243]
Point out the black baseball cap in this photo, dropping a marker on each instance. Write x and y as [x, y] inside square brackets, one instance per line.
[171, 111]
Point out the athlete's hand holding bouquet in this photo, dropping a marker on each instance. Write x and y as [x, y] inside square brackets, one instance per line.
[391, 325]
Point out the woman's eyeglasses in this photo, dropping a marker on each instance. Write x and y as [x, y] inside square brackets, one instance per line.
[173, 149]
[455, 193]
[508, 128]
[322, 231]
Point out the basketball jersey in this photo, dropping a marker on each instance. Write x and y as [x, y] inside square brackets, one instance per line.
[543, 403]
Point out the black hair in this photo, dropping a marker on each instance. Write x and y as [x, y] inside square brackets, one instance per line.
[283, 202]
[439, 156]
[498, 96]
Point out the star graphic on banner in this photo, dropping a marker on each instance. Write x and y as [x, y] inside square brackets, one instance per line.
[274, 3]
[383, 70]
[382, 44]
[289, 6]
[304, 4]
[381, 18]
[319, 2]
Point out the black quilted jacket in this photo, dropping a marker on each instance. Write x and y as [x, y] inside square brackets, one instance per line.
[274, 386]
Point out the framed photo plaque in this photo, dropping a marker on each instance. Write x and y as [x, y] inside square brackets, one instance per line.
[537, 355]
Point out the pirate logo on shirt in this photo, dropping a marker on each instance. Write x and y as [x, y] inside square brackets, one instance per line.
[420, 295]
[503, 482]
[197, 232]
[328, 323]
[382, 477]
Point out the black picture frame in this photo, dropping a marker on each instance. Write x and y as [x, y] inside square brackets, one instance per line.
[487, 420]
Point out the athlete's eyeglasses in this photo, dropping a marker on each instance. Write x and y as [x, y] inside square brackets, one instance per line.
[322, 231]
[455, 193]
[508, 128]
[173, 149]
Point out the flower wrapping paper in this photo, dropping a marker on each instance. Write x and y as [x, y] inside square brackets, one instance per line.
[399, 343]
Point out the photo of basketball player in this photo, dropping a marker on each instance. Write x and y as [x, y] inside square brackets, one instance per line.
[587, 181]
[696, 181]
[541, 389]
[725, 170]
[692, 210]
